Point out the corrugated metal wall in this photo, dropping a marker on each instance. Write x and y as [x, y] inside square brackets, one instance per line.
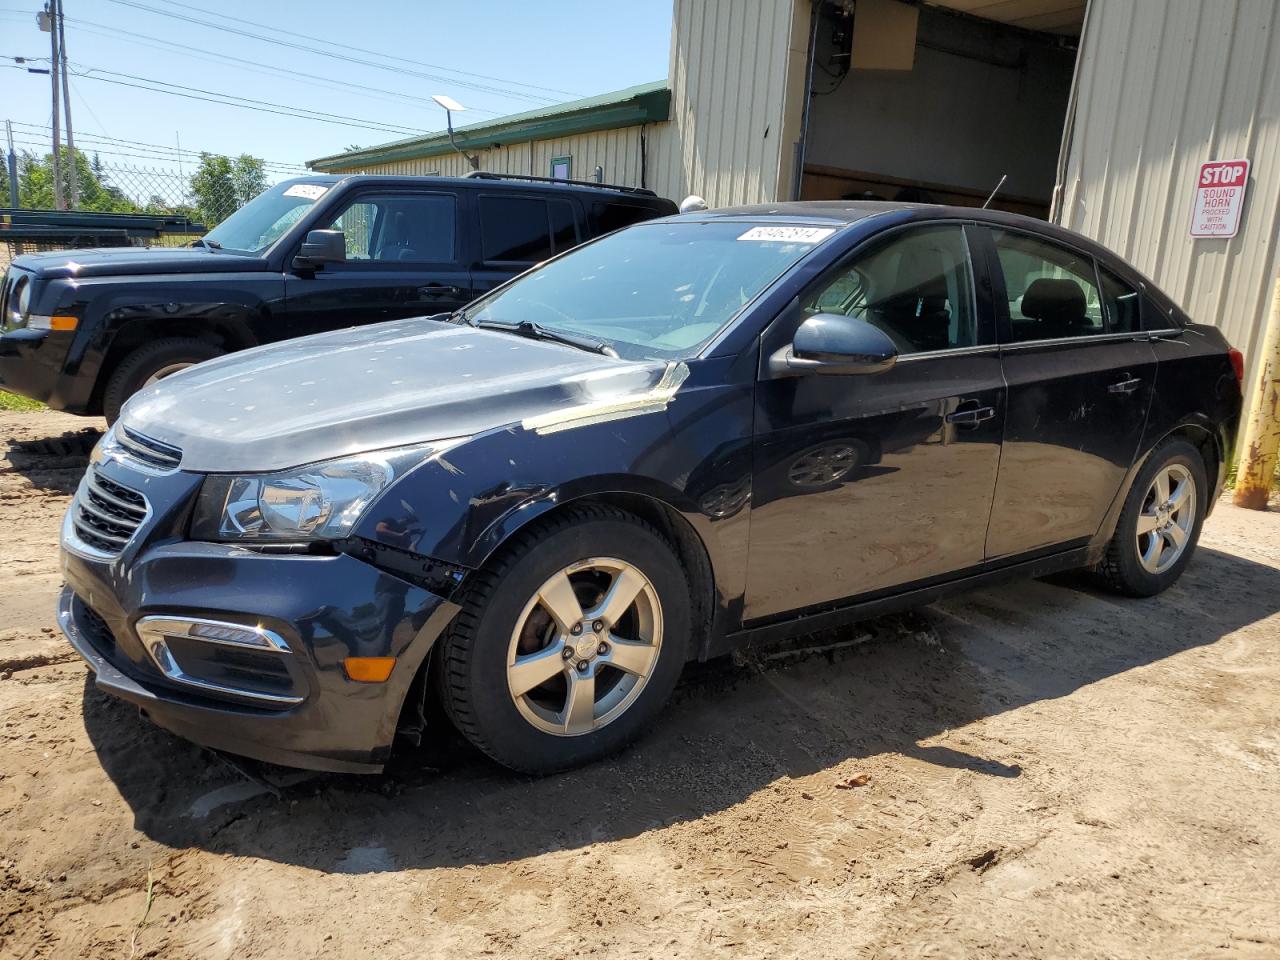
[617, 151]
[731, 132]
[737, 75]
[1165, 85]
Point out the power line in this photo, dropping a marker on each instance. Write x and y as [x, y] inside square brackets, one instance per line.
[246, 103]
[39, 147]
[157, 151]
[343, 45]
[185, 151]
[140, 155]
[88, 26]
[471, 85]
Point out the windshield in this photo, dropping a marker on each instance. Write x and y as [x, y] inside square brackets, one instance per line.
[264, 219]
[653, 291]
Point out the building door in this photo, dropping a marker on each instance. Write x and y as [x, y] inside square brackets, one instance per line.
[867, 482]
[1081, 378]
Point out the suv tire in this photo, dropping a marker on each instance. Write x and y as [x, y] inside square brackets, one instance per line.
[155, 360]
[1160, 522]
[513, 620]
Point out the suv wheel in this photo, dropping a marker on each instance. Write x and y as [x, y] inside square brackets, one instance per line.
[1160, 523]
[569, 644]
[149, 364]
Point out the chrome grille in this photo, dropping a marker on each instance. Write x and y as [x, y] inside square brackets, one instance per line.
[151, 452]
[106, 514]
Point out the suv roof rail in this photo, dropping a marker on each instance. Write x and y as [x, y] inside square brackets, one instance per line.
[487, 175]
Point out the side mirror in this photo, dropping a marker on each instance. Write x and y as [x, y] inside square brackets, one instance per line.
[834, 343]
[321, 247]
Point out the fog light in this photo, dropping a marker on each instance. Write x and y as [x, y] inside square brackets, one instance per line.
[211, 631]
[368, 669]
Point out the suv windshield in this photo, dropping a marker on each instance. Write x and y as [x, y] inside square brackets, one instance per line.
[653, 291]
[264, 219]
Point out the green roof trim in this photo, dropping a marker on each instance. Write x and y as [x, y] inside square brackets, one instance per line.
[646, 103]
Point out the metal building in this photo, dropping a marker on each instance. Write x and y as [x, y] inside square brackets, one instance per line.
[1097, 114]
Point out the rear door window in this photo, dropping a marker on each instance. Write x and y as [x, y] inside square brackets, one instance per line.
[525, 229]
[1052, 291]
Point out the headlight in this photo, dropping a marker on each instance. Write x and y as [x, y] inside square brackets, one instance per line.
[320, 501]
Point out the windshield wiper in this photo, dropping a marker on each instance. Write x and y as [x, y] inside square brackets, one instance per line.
[206, 242]
[535, 331]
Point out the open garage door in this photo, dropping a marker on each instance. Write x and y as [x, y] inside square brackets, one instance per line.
[936, 102]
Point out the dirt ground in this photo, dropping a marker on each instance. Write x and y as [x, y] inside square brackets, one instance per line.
[1038, 770]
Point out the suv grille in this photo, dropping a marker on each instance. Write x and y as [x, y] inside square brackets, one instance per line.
[151, 452]
[8, 281]
[107, 514]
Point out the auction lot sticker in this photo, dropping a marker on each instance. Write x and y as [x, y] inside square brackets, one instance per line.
[788, 234]
[1219, 198]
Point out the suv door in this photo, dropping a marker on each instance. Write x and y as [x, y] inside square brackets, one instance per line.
[405, 258]
[866, 482]
[1081, 376]
[520, 230]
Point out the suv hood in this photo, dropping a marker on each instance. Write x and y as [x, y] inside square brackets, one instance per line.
[134, 261]
[373, 387]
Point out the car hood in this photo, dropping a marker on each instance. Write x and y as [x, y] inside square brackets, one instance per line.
[386, 385]
[134, 261]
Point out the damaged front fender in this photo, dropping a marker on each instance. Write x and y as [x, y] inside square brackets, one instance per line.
[681, 439]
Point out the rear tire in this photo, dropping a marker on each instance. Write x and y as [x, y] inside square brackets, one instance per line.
[156, 359]
[569, 644]
[1160, 523]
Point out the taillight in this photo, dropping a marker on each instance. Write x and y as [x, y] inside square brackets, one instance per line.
[1237, 363]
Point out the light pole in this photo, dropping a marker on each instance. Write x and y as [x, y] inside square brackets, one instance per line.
[450, 105]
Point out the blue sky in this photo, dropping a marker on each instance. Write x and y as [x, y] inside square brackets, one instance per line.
[497, 57]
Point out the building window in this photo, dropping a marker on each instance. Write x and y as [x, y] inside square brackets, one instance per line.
[561, 168]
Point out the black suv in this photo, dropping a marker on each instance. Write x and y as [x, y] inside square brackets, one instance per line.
[83, 330]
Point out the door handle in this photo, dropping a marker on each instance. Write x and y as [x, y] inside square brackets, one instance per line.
[971, 416]
[1125, 386]
[432, 290]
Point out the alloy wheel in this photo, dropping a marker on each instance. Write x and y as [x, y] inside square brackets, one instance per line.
[823, 465]
[166, 371]
[584, 646]
[1167, 518]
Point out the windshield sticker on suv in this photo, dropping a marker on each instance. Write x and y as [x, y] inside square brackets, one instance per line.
[311, 191]
[788, 234]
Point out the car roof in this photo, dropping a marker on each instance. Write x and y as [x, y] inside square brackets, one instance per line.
[845, 213]
[490, 182]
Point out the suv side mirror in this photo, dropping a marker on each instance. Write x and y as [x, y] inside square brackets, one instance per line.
[321, 247]
[834, 343]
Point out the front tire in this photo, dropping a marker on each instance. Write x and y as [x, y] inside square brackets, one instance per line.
[1160, 523]
[150, 363]
[569, 644]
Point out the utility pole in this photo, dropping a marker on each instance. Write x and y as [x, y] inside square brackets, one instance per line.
[1261, 444]
[13, 167]
[74, 176]
[51, 20]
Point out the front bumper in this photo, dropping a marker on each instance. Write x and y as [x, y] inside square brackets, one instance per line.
[32, 364]
[326, 608]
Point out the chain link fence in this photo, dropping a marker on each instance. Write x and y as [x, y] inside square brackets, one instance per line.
[123, 204]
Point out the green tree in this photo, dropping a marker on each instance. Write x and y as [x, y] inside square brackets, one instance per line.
[35, 184]
[222, 185]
